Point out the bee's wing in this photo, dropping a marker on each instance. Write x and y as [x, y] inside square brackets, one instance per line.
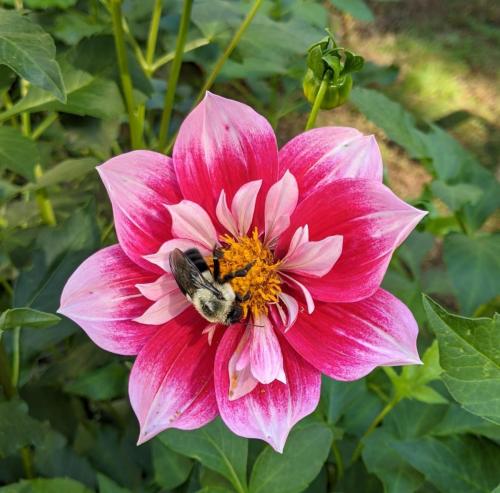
[187, 275]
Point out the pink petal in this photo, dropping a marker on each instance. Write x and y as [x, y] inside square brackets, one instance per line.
[158, 289]
[243, 205]
[102, 298]
[266, 360]
[291, 281]
[312, 258]
[223, 144]
[225, 216]
[139, 184]
[292, 308]
[191, 222]
[241, 380]
[373, 223]
[171, 382]
[347, 341]
[281, 201]
[161, 257]
[269, 411]
[165, 309]
[322, 155]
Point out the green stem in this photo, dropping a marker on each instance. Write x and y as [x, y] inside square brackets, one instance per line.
[44, 125]
[43, 201]
[16, 356]
[230, 47]
[107, 231]
[168, 57]
[317, 104]
[153, 34]
[338, 460]
[174, 74]
[126, 80]
[7, 288]
[27, 462]
[380, 416]
[25, 116]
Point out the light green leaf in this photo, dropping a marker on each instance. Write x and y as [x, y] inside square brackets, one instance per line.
[305, 452]
[87, 96]
[107, 485]
[473, 264]
[392, 118]
[459, 464]
[357, 8]
[456, 196]
[17, 152]
[170, 468]
[42, 485]
[65, 171]
[28, 50]
[48, 4]
[470, 357]
[71, 27]
[17, 428]
[102, 384]
[27, 317]
[215, 447]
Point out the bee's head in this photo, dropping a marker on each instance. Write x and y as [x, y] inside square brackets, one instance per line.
[235, 314]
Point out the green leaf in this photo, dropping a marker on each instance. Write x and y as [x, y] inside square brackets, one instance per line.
[459, 464]
[53, 485]
[28, 50]
[456, 196]
[470, 357]
[215, 447]
[382, 459]
[392, 118]
[50, 4]
[103, 384]
[17, 152]
[17, 428]
[107, 485]
[27, 317]
[305, 452]
[58, 252]
[65, 171]
[473, 265]
[357, 8]
[87, 96]
[71, 27]
[170, 468]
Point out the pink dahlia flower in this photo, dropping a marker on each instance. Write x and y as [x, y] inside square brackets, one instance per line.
[320, 229]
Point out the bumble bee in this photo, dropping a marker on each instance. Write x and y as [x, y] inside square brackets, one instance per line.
[211, 295]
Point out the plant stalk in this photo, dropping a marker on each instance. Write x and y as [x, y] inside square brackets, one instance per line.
[43, 201]
[126, 80]
[174, 74]
[230, 47]
[153, 35]
[317, 104]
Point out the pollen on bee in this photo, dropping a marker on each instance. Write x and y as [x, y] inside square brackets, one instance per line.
[262, 284]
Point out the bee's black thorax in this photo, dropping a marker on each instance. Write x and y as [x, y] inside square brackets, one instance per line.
[195, 256]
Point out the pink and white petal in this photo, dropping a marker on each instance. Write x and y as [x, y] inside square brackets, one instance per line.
[139, 184]
[346, 341]
[191, 222]
[225, 216]
[162, 256]
[102, 298]
[313, 258]
[292, 282]
[281, 201]
[269, 411]
[221, 145]
[373, 223]
[292, 309]
[171, 383]
[165, 309]
[266, 360]
[243, 205]
[321, 155]
[241, 380]
[158, 289]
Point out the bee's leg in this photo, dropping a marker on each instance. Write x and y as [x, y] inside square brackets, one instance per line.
[244, 298]
[237, 273]
[217, 255]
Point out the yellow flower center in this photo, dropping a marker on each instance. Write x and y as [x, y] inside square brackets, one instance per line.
[261, 285]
